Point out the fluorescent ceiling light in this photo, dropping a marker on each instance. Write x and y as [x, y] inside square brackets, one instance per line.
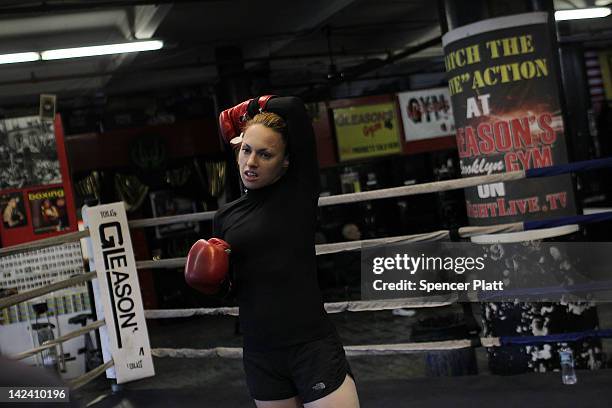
[102, 50]
[19, 57]
[578, 14]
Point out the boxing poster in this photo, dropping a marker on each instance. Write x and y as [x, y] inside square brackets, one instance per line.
[426, 114]
[36, 196]
[504, 93]
[48, 209]
[28, 154]
[13, 210]
[366, 131]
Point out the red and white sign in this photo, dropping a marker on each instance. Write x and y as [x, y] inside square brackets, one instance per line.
[426, 114]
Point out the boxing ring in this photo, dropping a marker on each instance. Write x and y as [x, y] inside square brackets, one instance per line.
[462, 391]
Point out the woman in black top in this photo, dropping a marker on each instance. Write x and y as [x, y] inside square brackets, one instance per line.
[292, 353]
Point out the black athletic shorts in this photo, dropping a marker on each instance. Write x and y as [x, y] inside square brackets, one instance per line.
[310, 370]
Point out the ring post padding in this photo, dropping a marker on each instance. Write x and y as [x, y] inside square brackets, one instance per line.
[119, 292]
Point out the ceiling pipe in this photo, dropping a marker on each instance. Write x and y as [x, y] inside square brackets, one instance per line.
[122, 72]
[360, 79]
[358, 70]
[354, 72]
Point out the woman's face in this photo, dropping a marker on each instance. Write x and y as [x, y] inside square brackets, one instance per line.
[262, 158]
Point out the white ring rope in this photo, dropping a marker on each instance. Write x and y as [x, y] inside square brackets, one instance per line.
[223, 352]
[90, 375]
[424, 188]
[169, 263]
[399, 348]
[335, 247]
[333, 307]
[31, 294]
[172, 219]
[467, 232]
[432, 187]
[52, 343]
[389, 304]
[323, 249]
[176, 313]
[351, 351]
[42, 243]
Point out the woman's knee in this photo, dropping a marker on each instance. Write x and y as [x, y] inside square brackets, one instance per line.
[293, 402]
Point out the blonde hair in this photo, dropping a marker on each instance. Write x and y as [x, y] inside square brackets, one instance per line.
[271, 121]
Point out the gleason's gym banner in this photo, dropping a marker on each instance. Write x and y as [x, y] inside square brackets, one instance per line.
[367, 131]
[508, 117]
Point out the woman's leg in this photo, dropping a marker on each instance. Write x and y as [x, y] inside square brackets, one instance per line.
[293, 402]
[343, 397]
[268, 379]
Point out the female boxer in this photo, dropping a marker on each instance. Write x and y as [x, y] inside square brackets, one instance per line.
[292, 353]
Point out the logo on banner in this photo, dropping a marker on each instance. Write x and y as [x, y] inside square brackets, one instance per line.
[118, 279]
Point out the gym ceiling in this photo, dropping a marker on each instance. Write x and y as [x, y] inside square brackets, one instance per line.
[289, 47]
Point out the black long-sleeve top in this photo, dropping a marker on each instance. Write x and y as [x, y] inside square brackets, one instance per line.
[271, 233]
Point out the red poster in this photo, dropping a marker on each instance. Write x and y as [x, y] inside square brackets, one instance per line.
[36, 196]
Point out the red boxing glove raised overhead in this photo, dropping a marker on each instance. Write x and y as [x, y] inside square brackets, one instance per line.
[232, 120]
[207, 265]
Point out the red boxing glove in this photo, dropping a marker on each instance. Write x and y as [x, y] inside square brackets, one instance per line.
[232, 120]
[207, 265]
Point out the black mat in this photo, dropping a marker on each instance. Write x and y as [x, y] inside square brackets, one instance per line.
[594, 389]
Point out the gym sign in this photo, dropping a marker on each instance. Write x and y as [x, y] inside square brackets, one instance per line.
[506, 104]
[426, 114]
[128, 339]
[366, 131]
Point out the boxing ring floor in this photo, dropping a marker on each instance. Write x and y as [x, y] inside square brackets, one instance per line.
[396, 380]
[527, 390]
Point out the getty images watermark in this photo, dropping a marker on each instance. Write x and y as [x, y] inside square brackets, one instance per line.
[527, 271]
[422, 264]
